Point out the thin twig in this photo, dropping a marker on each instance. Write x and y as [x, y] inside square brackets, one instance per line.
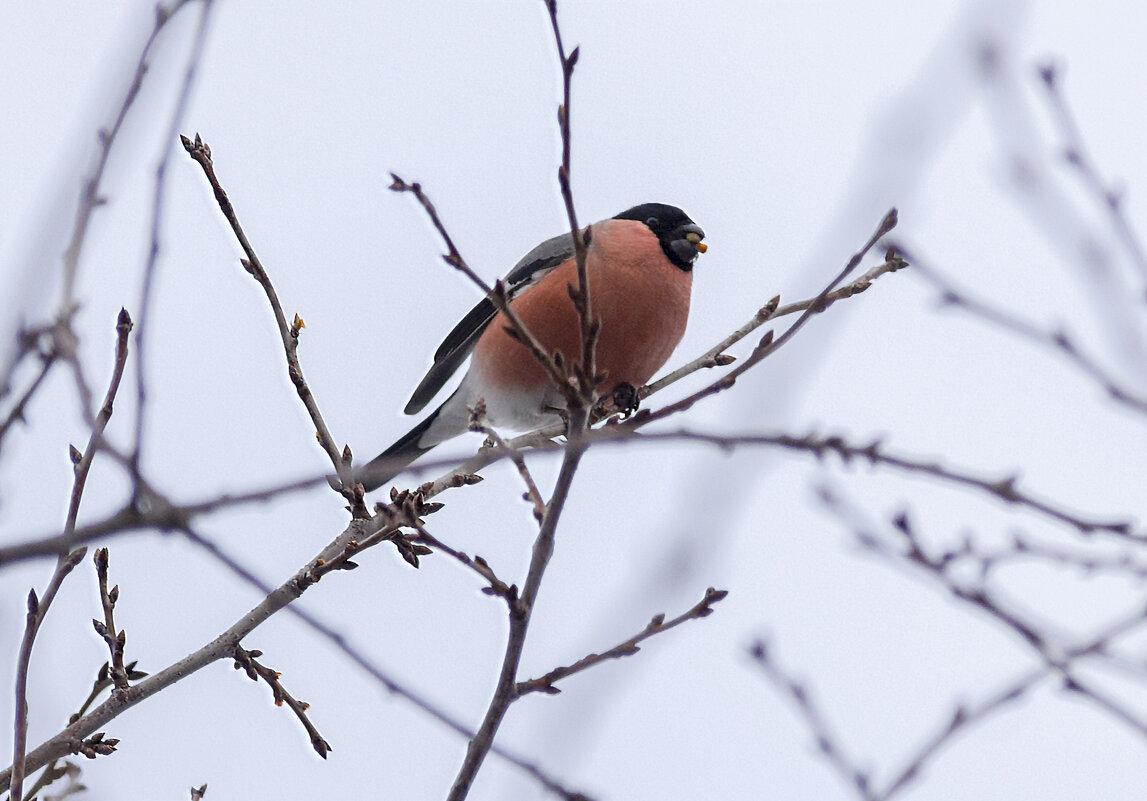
[452, 256]
[1005, 489]
[716, 356]
[588, 326]
[37, 609]
[90, 198]
[1058, 341]
[496, 294]
[533, 496]
[107, 629]
[509, 592]
[96, 439]
[248, 661]
[768, 345]
[657, 625]
[200, 152]
[16, 413]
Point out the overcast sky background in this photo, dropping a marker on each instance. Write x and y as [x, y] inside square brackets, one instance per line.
[787, 130]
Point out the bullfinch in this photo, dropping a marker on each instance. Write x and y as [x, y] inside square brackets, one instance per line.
[640, 267]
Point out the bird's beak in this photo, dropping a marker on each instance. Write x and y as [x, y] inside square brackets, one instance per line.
[688, 244]
[693, 235]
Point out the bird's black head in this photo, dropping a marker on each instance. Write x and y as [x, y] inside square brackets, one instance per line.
[679, 236]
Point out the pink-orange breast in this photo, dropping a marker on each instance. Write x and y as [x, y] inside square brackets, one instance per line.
[640, 297]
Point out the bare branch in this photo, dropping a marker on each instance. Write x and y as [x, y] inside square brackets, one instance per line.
[533, 496]
[496, 294]
[716, 356]
[508, 592]
[37, 609]
[520, 612]
[1055, 656]
[255, 670]
[580, 296]
[657, 625]
[96, 440]
[768, 344]
[200, 152]
[1076, 155]
[1004, 489]
[107, 629]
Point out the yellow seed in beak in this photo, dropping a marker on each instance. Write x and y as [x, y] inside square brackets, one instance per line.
[701, 247]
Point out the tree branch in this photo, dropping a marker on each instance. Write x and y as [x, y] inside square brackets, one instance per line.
[657, 625]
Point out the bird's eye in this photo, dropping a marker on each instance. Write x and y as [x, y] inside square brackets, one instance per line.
[652, 222]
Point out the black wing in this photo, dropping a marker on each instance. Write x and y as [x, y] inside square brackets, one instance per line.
[460, 342]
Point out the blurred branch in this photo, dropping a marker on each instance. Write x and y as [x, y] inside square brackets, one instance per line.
[826, 741]
[1075, 153]
[657, 625]
[1056, 656]
[1057, 341]
[16, 413]
[961, 720]
[832, 750]
[189, 71]
[1024, 549]
[90, 198]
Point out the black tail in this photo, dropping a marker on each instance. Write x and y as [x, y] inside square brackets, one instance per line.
[394, 459]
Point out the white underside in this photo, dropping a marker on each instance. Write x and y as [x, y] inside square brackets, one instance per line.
[504, 411]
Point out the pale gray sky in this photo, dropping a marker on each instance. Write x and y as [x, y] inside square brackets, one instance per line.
[786, 129]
